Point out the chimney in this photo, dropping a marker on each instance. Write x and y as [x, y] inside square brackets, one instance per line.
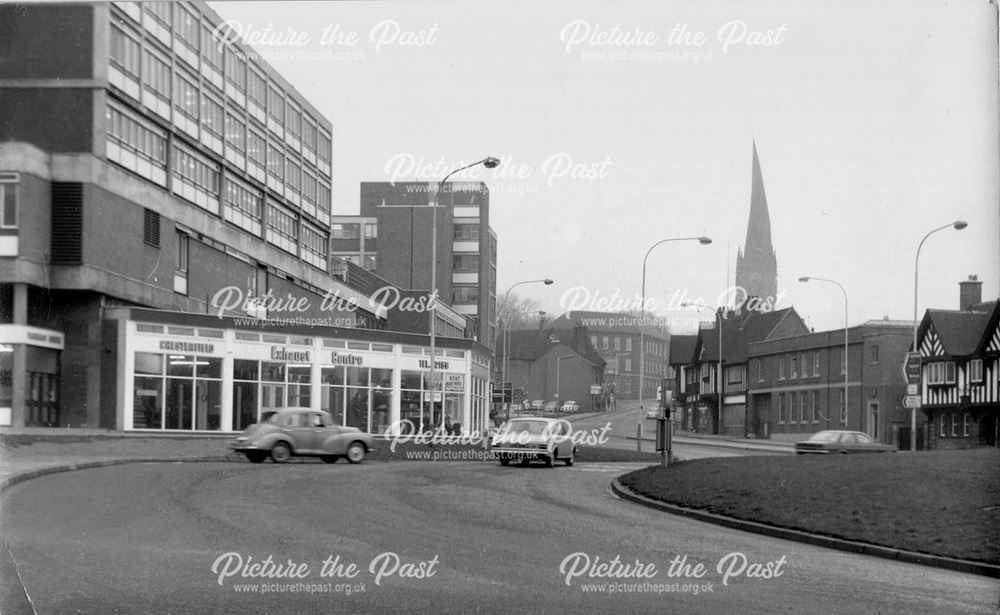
[970, 292]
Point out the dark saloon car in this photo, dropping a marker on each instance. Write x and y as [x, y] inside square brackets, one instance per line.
[301, 432]
[843, 442]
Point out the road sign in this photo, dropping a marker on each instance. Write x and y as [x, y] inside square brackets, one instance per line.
[911, 401]
[913, 389]
[911, 368]
[595, 389]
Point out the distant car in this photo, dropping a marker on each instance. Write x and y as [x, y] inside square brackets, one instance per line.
[551, 407]
[571, 406]
[537, 404]
[842, 442]
[530, 438]
[653, 413]
[302, 432]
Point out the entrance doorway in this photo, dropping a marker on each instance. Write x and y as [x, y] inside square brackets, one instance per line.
[873, 420]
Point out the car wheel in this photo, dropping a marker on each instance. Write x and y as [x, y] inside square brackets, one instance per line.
[356, 452]
[329, 458]
[569, 460]
[504, 460]
[842, 452]
[280, 453]
[256, 457]
[551, 458]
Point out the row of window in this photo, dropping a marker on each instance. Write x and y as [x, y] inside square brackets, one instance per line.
[605, 342]
[197, 44]
[140, 146]
[948, 424]
[803, 407]
[943, 372]
[351, 230]
[202, 115]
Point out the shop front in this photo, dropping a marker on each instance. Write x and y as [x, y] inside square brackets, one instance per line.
[29, 376]
[197, 373]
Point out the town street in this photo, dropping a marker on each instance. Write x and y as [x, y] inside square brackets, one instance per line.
[428, 537]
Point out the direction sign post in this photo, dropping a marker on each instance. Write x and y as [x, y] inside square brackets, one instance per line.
[912, 401]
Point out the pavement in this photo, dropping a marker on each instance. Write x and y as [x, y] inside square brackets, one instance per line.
[33, 451]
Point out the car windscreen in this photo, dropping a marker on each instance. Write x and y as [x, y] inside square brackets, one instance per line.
[532, 427]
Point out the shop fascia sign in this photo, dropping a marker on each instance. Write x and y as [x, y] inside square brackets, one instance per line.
[279, 353]
[426, 364]
[187, 347]
[342, 358]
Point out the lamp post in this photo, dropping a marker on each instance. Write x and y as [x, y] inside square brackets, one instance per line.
[506, 323]
[846, 370]
[642, 332]
[617, 358]
[505, 346]
[718, 377]
[558, 367]
[489, 163]
[957, 225]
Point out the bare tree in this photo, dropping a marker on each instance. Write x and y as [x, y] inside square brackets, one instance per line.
[519, 312]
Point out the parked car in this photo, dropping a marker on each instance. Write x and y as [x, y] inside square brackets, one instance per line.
[537, 404]
[843, 442]
[654, 412]
[551, 407]
[530, 438]
[301, 432]
[571, 406]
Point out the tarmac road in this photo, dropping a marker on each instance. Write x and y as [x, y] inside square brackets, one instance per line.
[427, 537]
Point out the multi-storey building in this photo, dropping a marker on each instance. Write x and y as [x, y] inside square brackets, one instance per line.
[392, 236]
[148, 160]
[801, 384]
[616, 336]
[960, 371]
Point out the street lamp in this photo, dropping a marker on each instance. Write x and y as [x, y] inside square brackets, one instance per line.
[957, 225]
[505, 347]
[506, 323]
[642, 332]
[488, 162]
[718, 378]
[558, 366]
[846, 370]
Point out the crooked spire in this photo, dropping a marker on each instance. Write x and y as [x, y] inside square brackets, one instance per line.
[756, 264]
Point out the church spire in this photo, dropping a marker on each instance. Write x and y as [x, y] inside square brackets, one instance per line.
[756, 265]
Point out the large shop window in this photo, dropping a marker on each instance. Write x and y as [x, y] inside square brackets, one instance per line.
[357, 396]
[262, 386]
[415, 406]
[178, 392]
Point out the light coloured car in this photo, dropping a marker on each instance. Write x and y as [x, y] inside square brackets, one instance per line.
[654, 412]
[571, 406]
[842, 442]
[302, 432]
[551, 407]
[529, 438]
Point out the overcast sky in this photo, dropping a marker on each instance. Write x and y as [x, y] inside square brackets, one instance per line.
[621, 126]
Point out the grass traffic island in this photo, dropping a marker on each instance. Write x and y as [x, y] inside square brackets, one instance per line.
[944, 503]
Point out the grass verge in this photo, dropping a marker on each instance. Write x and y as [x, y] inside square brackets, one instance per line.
[941, 502]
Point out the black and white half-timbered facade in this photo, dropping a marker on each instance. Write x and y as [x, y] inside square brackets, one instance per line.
[960, 365]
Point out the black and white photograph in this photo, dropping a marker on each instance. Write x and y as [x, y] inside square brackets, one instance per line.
[427, 306]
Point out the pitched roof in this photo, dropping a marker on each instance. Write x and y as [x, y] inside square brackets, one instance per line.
[532, 344]
[682, 348]
[961, 332]
[738, 331]
[608, 322]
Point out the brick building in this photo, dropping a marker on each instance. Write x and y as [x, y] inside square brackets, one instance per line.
[391, 236]
[796, 385]
[145, 164]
